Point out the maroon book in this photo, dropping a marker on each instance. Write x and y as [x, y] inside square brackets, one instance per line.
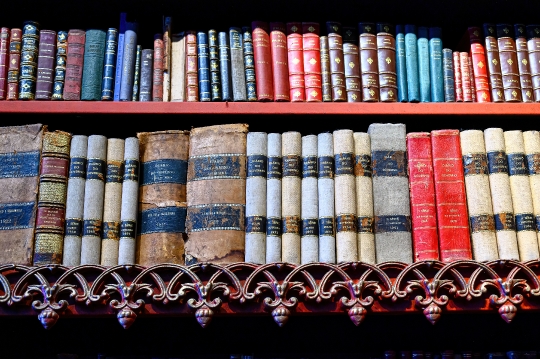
[312, 61]
[280, 68]
[74, 65]
[46, 62]
[4, 56]
[192, 77]
[263, 61]
[14, 62]
[296, 62]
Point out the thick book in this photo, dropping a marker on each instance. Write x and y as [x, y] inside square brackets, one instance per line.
[45, 66]
[411, 63]
[457, 77]
[325, 69]
[436, 73]
[524, 66]
[533, 46]
[128, 62]
[509, 63]
[192, 81]
[424, 78]
[162, 197]
[147, 72]
[20, 152]
[369, 62]
[178, 68]
[295, 59]
[238, 75]
[53, 176]
[337, 62]
[493, 63]
[280, 69]
[263, 60]
[401, 65]
[273, 198]
[249, 64]
[448, 75]
[29, 57]
[312, 61]
[60, 66]
[386, 52]
[203, 67]
[157, 69]
[94, 53]
[74, 65]
[120, 56]
[479, 65]
[216, 194]
[309, 215]
[137, 74]
[109, 65]
[326, 191]
[14, 62]
[4, 59]
[351, 55]
[213, 53]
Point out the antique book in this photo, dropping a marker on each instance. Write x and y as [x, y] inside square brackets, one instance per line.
[213, 52]
[74, 65]
[157, 69]
[178, 68]
[452, 220]
[280, 68]
[137, 74]
[238, 74]
[192, 81]
[291, 202]
[326, 191]
[364, 198]
[4, 60]
[29, 59]
[120, 56]
[49, 238]
[337, 62]
[448, 73]
[531, 140]
[257, 150]
[225, 66]
[422, 189]
[162, 197]
[457, 77]
[391, 207]
[309, 217]
[471, 79]
[14, 63]
[411, 62]
[509, 63]
[493, 62]
[369, 62]
[521, 196]
[20, 151]
[312, 61]
[75, 201]
[109, 65]
[128, 62]
[533, 47]
[325, 69]
[273, 199]
[351, 57]
[147, 72]
[480, 70]
[45, 66]
[295, 59]
[401, 65]
[60, 66]
[501, 195]
[203, 67]
[216, 194]
[386, 53]
[436, 74]
[249, 64]
[424, 79]
[524, 66]
[92, 76]
[479, 205]
[167, 58]
[465, 77]
[263, 60]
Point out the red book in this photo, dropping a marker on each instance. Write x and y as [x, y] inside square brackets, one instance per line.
[312, 61]
[465, 76]
[74, 65]
[479, 65]
[263, 61]
[4, 55]
[457, 77]
[422, 188]
[452, 217]
[192, 77]
[296, 62]
[14, 62]
[280, 68]
[157, 76]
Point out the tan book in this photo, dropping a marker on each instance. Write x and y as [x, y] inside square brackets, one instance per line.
[178, 64]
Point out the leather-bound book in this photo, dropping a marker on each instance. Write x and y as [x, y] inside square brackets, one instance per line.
[422, 188]
[249, 64]
[147, 72]
[130, 196]
[401, 64]
[167, 58]
[20, 152]
[453, 222]
[60, 66]
[448, 73]
[479, 65]
[263, 60]
[157, 70]
[369, 62]
[225, 66]
[45, 66]
[326, 190]
[4, 59]
[309, 234]
[216, 189]
[238, 74]
[109, 65]
[436, 72]
[291, 201]
[424, 79]
[137, 74]
[411, 61]
[14, 62]
[128, 63]
[337, 61]
[524, 65]
[325, 69]
[471, 79]
[178, 68]
[29, 59]
[295, 58]
[351, 57]
[203, 67]
[312, 61]
[465, 77]
[386, 53]
[92, 76]
[213, 52]
[457, 77]
[493, 62]
[280, 68]
[533, 46]
[120, 55]
[162, 197]
[74, 65]
[49, 238]
[192, 81]
[509, 63]
[273, 199]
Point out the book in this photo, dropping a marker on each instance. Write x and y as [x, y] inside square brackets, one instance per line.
[312, 61]
[213, 52]
[120, 56]
[325, 69]
[280, 68]
[448, 73]
[178, 67]
[436, 73]
[533, 47]
[524, 67]
[238, 74]
[291, 201]
[147, 72]
[74, 65]
[531, 141]
[92, 76]
[4, 60]
[458, 83]
[493, 62]
[411, 63]
[309, 213]
[192, 81]
[225, 66]
[14, 62]
[263, 60]
[203, 67]
[109, 65]
[424, 79]
[326, 194]
[369, 62]
[128, 62]
[216, 194]
[479, 65]
[471, 79]
[60, 66]
[29, 57]
[386, 53]
[351, 57]
[157, 69]
[137, 74]
[249, 64]
[509, 63]
[465, 77]
[273, 199]
[295, 59]
[45, 65]
[167, 57]
[337, 62]
[401, 65]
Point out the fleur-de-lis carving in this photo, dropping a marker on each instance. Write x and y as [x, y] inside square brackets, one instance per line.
[339, 92]
[391, 93]
[337, 60]
[368, 28]
[506, 31]
[499, 92]
[484, 95]
[297, 93]
[514, 93]
[349, 32]
[528, 93]
[388, 60]
[354, 96]
[313, 93]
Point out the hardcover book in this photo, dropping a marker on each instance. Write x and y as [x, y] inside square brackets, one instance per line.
[386, 52]
[4, 59]
[92, 76]
[238, 74]
[424, 64]
[337, 62]
[192, 81]
[109, 65]
[524, 66]
[533, 46]
[273, 198]
[203, 67]
[295, 59]
[480, 70]
[157, 70]
[249, 64]
[280, 69]
[225, 66]
[326, 191]
[120, 56]
[401, 65]
[137, 74]
[436, 64]
[353, 83]
[449, 84]
[128, 62]
[74, 65]
[457, 77]
[369, 62]
[325, 69]
[312, 61]
[411, 62]
[14, 62]
[464, 70]
[178, 68]
[263, 60]
[213, 52]
[309, 217]
[29, 57]
[494, 63]
[45, 66]
[60, 67]
[509, 63]
[147, 72]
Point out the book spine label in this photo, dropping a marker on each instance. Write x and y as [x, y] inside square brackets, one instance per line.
[263, 61]
[465, 76]
[273, 199]
[325, 70]
[325, 182]
[107, 85]
[296, 62]
[309, 236]
[494, 69]
[119, 57]
[424, 69]
[29, 59]
[14, 63]
[249, 64]
[509, 69]
[353, 83]
[411, 61]
[147, 71]
[369, 67]
[524, 68]
[280, 70]
[215, 80]
[448, 68]
[436, 70]
[45, 67]
[4, 59]
[130, 195]
[401, 68]
[531, 140]
[337, 67]
[178, 75]
[74, 65]
[203, 67]
[312, 62]
[386, 52]
[533, 46]
[128, 65]
[457, 77]
[60, 67]
[157, 70]
[92, 76]
[137, 74]
[238, 74]
[192, 81]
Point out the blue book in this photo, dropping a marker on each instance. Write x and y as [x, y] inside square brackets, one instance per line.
[423, 64]
[401, 66]
[109, 64]
[203, 68]
[436, 64]
[411, 60]
[448, 68]
[128, 64]
[225, 66]
[119, 56]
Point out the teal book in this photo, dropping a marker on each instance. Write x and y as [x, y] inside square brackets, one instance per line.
[401, 65]
[411, 60]
[436, 64]
[94, 53]
[423, 64]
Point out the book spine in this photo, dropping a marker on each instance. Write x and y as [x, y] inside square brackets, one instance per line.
[45, 66]
[60, 67]
[369, 67]
[326, 190]
[422, 192]
[162, 195]
[481, 217]
[75, 201]
[295, 58]
[238, 74]
[309, 239]
[453, 223]
[249, 64]
[166, 86]
[386, 52]
[411, 62]
[480, 70]
[203, 67]
[531, 140]
[107, 85]
[215, 80]
[216, 190]
[49, 237]
[494, 64]
[94, 53]
[273, 199]
[120, 56]
[501, 194]
[14, 62]
[74, 65]
[391, 207]
[93, 199]
[167, 58]
[424, 79]
[521, 195]
[533, 46]
[436, 72]
[137, 74]
[312, 65]
[363, 172]
[130, 195]
[524, 67]
[29, 59]
[509, 65]
[4, 60]
[257, 161]
[291, 150]
[337, 62]
[263, 60]
[449, 84]
[465, 77]
[192, 81]
[128, 65]
[157, 69]
[225, 66]
[352, 72]
[471, 79]
[457, 77]
[325, 70]
[147, 71]
[280, 69]
[401, 65]
[178, 68]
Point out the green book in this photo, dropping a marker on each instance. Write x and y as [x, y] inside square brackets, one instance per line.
[94, 53]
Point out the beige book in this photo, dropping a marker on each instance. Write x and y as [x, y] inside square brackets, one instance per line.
[309, 240]
[531, 140]
[327, 233]
[178, 60]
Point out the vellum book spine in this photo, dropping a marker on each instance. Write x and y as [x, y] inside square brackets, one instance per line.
[531, 140]
[107, 84]
[257, 149]
[178, 75]
[130, 196]
[273, 199]
[291, 150]
[60, 67]
[309, 240]
[216, 188]
[75, 201]
[92, 76]
[325, 184]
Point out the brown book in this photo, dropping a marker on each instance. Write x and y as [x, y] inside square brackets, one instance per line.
[494, 63]
[386, 51]
[74, 65]
[157, 77]
[216, 187]
[353, 84]
[14, 63]
[509, 63]
[523, 63]
[369, 63]
[337, 62]
[192, 79]
[533, 46]
[325, 70]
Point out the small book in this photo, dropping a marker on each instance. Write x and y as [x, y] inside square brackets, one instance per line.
[60, 67]
[493, 63]
[325, 69]
[29, 57]
[157, 69]
[225, 66]
[448, 73]
[213, 52]
[137, 74]
[238, 74]
[147, 72]
[309, 216]
[249, 64]
[178, 68]
[74, 65]
[326, 193]
[263, 60]
[45, 66]
[295, 58]
[369, 62]
[424, 78]
[109, 65]
[458, 83]
[466, 83]
[273, 198]
[192, 81]
[312, 64]
[479, 65]
[353, 83]
[94, 53]
[280, 68]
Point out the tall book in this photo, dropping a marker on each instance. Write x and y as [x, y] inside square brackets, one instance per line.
[411, 63]
[29, 57]
[531, 140]
[94, 53]
[471, 79]
[524, 66]
[464, 70]
[225, 66]
[162, 197]
[74, 65]
[291, 201]
[453, 222]
[369, 62]
[4, 60]
[448, 73]
[238, 75]
[20, 152]
[401, 65]
[128, 62]
[14, 62]
[147, 72]
[353, 83]
[157, 70]
[436, 64]
[213, 52]
[263, 60]
[493, 62]
[249, 64]
[178, 67]
[312, 61]
[273, 199]
[60, 67]
[167, 57]
[533, 47]
[109, 65]
[45, 66]
[280, 68]
[309, 234]
[49, 238]
[337, 62]
[203, 67]
[216, 189]
[295, 59]
[458, 83]
[479, 64]
[509, 63]
[326, 191]
[192, 81]
[137, 74]
[391, 206]
[424, 79]
[386, 52]
[120, 56]
[325, 69]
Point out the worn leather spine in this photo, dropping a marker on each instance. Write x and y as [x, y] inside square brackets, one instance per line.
[162, 197]
[531, 140]
[137, 74]
[448, 73]
[369, 62]
[401, 65]
[325, 69]
[128, 209]
[273, 198]
[351, 56]
[312, 61]
[93, 199]
[14, 62]
[453, 222]
[471, 79]
[257, 160]
[112, 202]
[216, 189]
[192, 81]
[45, 66]
[386, 53]
[411, 62]
[109, 65]
[225, 66]
[60, 66]
[436, 64]
[20, 152]
[49, 238]
[120, 56]
[533, 48]
[480, 208]
[213, 52]
[493, 62]
[524, 66]
[167, 57]
[75, 201]
[238, 74]
[479, 65]
[157, 69]
[295, 59]
[309, 233]
[147, 71]
[280, 68]
[203, 67]
[424, 79]
[337, 61]
[458, 83]
[521, 196]
[29, 59]
[4, 60]
[509, 63]
[92, 77]
[74, 65]
[128, 63]
[422, 191]
[326, 191]
[263, 60]
[249, 64]
[465, 77]
[391, 206]
[178, 67]
[501, 194]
